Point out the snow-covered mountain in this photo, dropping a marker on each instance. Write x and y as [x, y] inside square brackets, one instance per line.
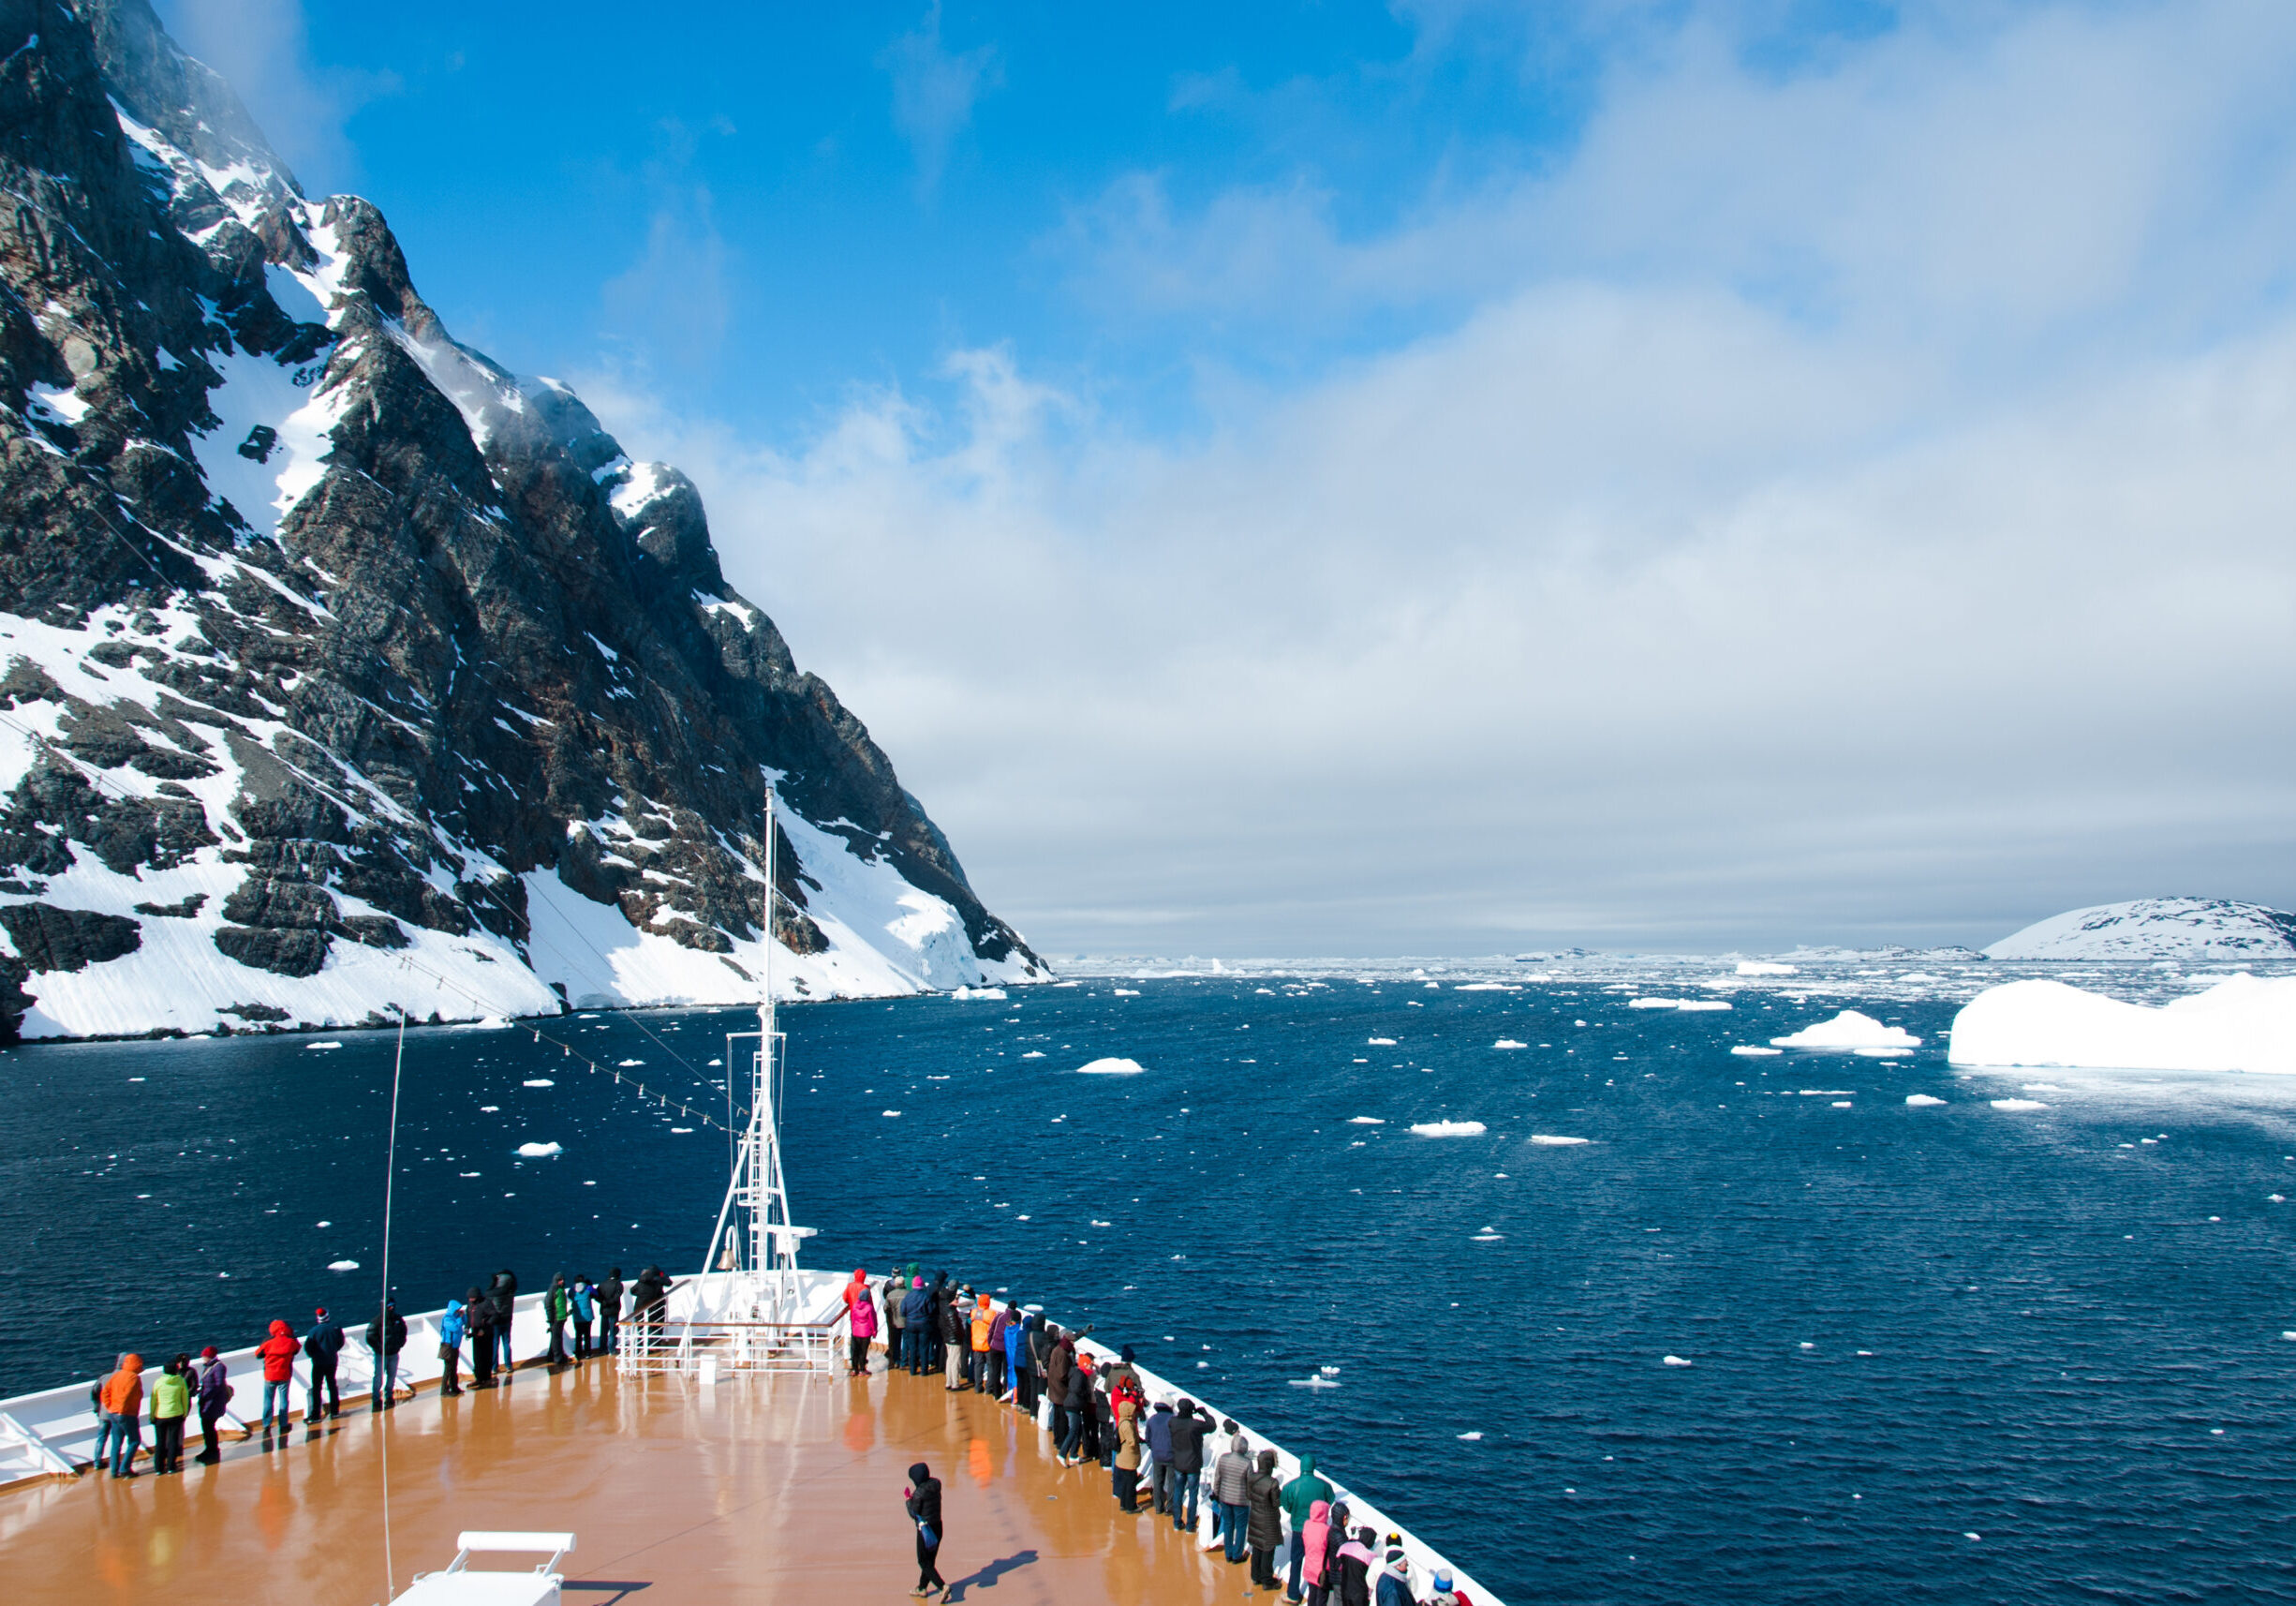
[2156, 928]
[340, 668]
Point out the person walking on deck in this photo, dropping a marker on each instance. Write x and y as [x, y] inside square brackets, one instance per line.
[212, 1384]
[584, 1299]
[1187, 1463]
[386, 1335]
[861, 1316]
[1231, 1482]
[1299, 1498]
[120, 1400]
[556, 1309]
[278, 1354]
[171, 1405]
[452, 1326]
[1264, 1519]
[924, 1505]
[609, 1309]
[322, 1346]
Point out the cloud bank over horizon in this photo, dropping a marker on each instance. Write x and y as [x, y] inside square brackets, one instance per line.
[1829, 494]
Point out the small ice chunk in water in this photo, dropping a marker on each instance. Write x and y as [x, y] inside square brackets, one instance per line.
[2019, 1104]
[1922, 1100]
[1470, 1438]
[1749, 1050]
[1848, 1030]
[1548, 1139]
[342, 1265]
[1449, 1128]
[539, 1083]
[1365, 1121]
[1109, 1067]
[1509, 1042]
[541, 1151]
[1676, 1361]
[1381, 1042]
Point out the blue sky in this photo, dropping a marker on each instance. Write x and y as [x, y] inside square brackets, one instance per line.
[1444, 477]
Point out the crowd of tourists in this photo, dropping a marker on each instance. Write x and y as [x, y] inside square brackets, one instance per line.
[1166, 1456]
[582, 1320]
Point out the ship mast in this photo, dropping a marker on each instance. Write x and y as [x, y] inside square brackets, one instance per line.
[773, 1241]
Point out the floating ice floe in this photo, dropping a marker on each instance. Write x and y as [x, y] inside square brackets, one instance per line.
[1764, 967]
[1882, 1053]
[1653, 1003]
[1553, 1141]
[1366, 1121]
[1696, 1005]
[1033, 1054]
[1848, 1030]
[990, 994]
[1509, 1042]
[896, 1112]
[1748, 1048]
[1675, 1360]
[1922, 1100]
[1470, 1438]
[342, 1265]
[1382, 1042]
[1110, 1067]
[539, 1083]
[627, 1063]
[539, 1150]
[1449, 1128]
[2239, 1024]
[2017, 1104]
[1318, 1381]
[1488, 1236]
[1127, 991]
[323, 1045]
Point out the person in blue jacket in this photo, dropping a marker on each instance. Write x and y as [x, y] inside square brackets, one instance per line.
[452, 1328]
[585, 1312]
[916, 1316]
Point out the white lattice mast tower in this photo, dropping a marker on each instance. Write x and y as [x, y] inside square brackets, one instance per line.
[773, 1240]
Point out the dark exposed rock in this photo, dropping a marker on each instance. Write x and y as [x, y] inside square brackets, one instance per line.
[285, 953]
[182, 909]
[48, 938]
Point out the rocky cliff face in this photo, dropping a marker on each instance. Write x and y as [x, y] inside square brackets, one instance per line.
[342, 669]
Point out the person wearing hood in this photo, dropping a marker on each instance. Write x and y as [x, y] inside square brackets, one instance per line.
[505, 1295]
[916, 1317]
[478, 1318]
[1354, 1571]
[1231, 1482]
[980, 1336]
[171, 1405]
[1264, 1519]
[861, 1324]
[1299, 1497]
[558, 1309]
[1125, 1476]
[1016, 1386]
[451, 1327]
[121, 1400]
[322, 1346]
[1313, 1544]
[894, 1294]
[278, 1354]
[386, 1335]
[1060, 1377]
[1157, 1435]
[584, 1299]
[936, 1324]
[922, 1500]
[610, 1309]
[1187, 1463]
[212, 1384]
[995, 1367]
[649, 1301]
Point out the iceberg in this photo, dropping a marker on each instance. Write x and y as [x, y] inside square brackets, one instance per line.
[1110, 1068]
[2240, 1024]
[1449, 1128]
[1549, 1141]
[1922, 1100]
[1750, 1049]
[539, 1150]
[1764, 967]
[986, 994]
[1508, 1043]
[1848, 1030]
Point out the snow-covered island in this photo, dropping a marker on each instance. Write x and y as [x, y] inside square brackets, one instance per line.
[2148, 929]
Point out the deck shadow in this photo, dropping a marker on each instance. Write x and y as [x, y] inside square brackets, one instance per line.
[988, 1575]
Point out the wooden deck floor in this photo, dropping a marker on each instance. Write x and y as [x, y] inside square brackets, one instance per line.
[760, 1489]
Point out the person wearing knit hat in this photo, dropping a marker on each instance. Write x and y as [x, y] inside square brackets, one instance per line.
[211, 1391]
[1395, 1581]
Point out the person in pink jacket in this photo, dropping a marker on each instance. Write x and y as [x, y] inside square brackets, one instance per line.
[862, 1308]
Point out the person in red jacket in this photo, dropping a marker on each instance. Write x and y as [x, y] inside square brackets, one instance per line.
[278, 1354]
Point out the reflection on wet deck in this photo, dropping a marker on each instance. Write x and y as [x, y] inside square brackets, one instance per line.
[759, 1488]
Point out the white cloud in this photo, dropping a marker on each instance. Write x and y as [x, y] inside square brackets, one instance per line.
[934, 91]
[1855, 506]
[263, 48]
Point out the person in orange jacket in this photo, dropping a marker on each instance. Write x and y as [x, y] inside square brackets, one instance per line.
[278, 1354]
[120, 1400]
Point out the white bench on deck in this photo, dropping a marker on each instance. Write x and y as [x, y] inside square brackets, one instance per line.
[459, 1587]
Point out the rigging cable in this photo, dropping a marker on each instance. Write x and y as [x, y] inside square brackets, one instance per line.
[382, 1309]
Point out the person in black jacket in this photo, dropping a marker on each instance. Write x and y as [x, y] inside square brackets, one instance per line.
[924, 1503]
[322, 1345]
[386, 1335]
[609, 1309]
[478, 1314]
[505, 1295]
[1187, 1463]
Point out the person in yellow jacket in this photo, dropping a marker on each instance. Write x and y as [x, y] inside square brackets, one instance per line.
[171, 1405]
[976, 1366]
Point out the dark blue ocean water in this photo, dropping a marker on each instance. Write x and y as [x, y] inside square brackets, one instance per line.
[1907, 1326]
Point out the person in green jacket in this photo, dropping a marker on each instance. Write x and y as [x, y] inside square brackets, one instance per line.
[1299, 1497]
[171, 1400]
[557, 1306]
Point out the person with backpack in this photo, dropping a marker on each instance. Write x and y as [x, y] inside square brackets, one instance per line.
[583, 1295]
[1231, 1482]
[171, 1405]
[386, 1335]
[212, 1386]
[322, 1346]
[452, 1326]
[609, 1309]
[120, 1400]
[923, 1502]
[278, 1354]
[557, 1310]
[1299, 1498]
[1187, 1463]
